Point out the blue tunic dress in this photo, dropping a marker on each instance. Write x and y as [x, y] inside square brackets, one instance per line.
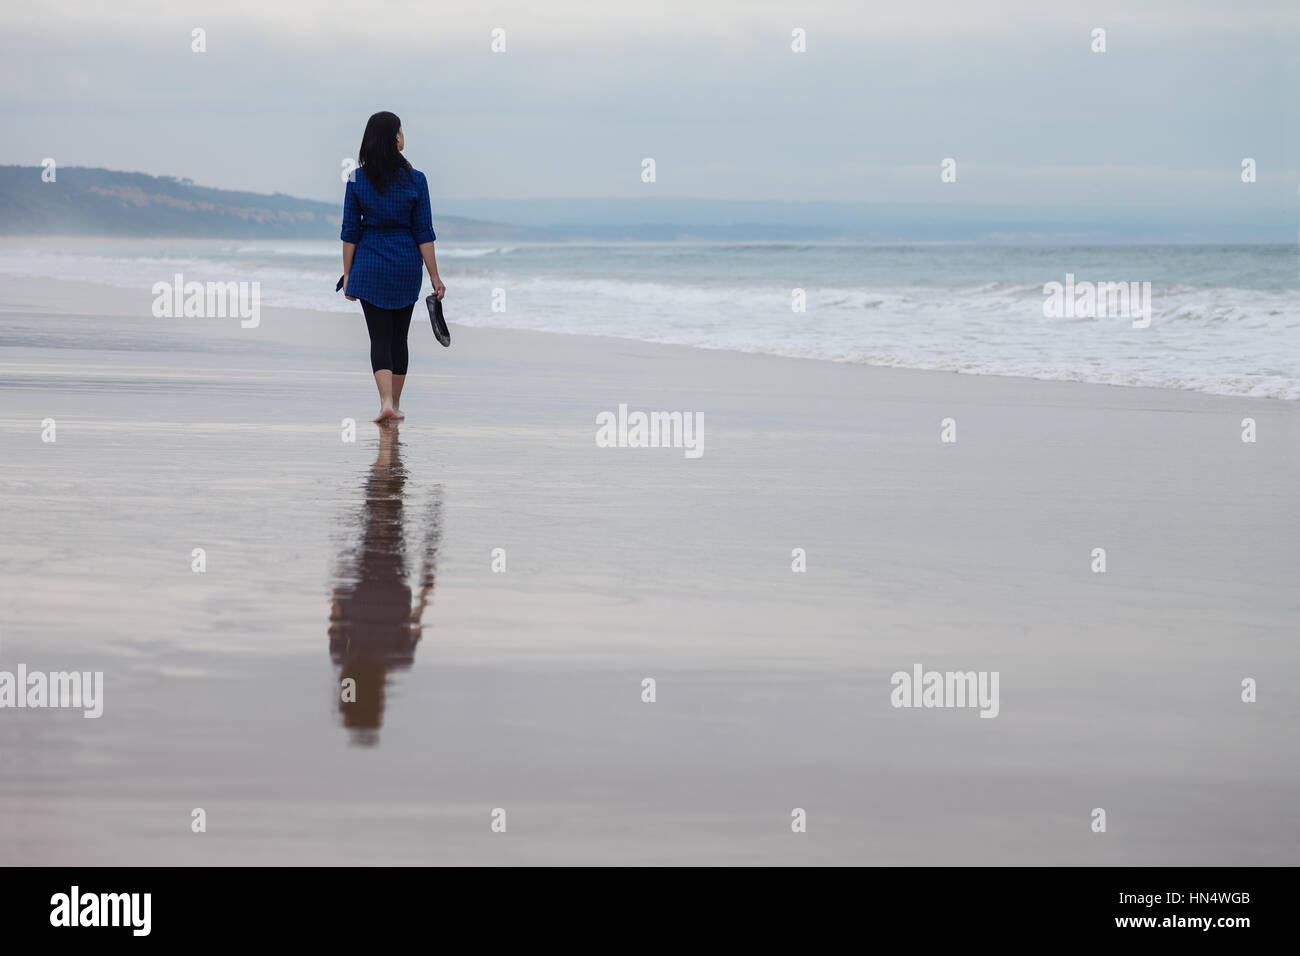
[388, 229]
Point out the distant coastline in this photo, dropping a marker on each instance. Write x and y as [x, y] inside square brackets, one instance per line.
[102, 202]
[85, 201]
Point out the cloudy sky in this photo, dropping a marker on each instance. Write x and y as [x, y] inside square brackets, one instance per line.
[709, 88]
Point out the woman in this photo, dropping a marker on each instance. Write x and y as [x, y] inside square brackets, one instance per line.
[387, 233]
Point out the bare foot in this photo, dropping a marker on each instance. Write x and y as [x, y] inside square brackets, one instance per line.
[386, 414]
[398, 414]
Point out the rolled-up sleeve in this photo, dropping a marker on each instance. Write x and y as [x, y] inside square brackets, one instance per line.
[422, 215]
[351, 231]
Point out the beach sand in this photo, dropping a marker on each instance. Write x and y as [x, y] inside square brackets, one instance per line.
[1118, 690]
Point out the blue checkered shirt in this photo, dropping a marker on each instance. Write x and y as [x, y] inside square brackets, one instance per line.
[388, 229]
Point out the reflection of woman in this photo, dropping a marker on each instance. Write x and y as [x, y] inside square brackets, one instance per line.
[373, 627]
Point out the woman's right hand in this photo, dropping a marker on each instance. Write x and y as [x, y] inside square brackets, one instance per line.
[350, 298]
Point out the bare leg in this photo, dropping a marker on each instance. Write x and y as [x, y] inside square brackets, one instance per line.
[384, 382]
[398, 382]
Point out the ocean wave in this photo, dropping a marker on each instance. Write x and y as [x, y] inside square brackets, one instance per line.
[1219, 340]
[459, 252]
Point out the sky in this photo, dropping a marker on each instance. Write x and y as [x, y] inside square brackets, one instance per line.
[710, 89]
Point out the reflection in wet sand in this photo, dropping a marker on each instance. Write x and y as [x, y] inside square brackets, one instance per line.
[374, 626]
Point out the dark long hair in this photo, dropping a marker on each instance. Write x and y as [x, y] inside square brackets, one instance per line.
[378, 155]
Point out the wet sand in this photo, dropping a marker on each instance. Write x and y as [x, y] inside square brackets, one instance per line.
[522, 690]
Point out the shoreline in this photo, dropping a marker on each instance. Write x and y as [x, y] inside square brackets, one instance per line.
[125, 302]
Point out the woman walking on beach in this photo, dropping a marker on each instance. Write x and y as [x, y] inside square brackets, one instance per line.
[387, 234]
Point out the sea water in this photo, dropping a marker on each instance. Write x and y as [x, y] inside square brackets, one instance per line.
[1224, 319]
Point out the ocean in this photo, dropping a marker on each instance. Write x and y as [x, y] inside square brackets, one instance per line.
[1223, 319]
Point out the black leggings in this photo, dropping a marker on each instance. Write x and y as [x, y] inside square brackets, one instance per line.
[388, 328]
